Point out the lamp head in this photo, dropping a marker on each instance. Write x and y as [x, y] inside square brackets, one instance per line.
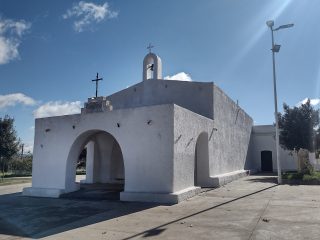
[284, 26]
[270, 23]
[276, 48]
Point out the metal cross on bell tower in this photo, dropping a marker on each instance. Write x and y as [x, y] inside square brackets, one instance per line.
[97, 80]
[150, 47]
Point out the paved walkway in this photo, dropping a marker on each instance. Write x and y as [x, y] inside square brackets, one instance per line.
[251, 208]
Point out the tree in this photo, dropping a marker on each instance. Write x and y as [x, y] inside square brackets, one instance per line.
[21, 164]
[298, 127]
[318, 140]
[81, 163]
[318, 143]
[9, 144]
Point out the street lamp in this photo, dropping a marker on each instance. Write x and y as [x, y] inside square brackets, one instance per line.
[276, 48]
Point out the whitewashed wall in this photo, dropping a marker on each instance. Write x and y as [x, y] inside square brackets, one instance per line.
[231, 139]
[263, 139]
[188, 127]
[146, 148]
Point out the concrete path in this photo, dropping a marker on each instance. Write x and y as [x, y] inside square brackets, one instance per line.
[251, 208]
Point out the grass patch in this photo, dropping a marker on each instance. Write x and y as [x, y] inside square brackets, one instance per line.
[313, 176]
[292, 176]
[9, 178]
[300, 176]
[12, 174]
[14, 180]
[81, 171]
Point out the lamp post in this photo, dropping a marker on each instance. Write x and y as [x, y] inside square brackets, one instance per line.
[276, 48]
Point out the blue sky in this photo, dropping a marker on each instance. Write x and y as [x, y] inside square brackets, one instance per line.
[50, 50]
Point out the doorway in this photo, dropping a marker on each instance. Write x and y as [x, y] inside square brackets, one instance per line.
[201, 161]
[266, 161]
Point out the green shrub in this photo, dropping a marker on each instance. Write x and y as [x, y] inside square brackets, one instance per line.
[292, 175]
[313, 176]
[300, 176]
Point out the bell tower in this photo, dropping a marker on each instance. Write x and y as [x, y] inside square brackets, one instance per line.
[152, 66]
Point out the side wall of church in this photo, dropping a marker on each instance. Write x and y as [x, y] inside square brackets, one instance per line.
[194, 96]
[188, 170]
[231, 139]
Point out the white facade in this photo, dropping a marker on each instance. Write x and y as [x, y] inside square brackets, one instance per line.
[162, 139]
[263, 140]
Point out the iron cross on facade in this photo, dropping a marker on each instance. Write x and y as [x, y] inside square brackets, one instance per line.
[150, 47]
[97, 80]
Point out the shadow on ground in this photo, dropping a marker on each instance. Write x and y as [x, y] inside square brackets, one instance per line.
[97, 191]
[40, 217]
[263, 178]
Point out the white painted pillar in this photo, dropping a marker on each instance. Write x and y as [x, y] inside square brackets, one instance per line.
[90, 162]
[105, 163]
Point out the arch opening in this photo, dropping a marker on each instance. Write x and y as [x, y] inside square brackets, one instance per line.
[152, 67]
[201, 162]
[104, 165]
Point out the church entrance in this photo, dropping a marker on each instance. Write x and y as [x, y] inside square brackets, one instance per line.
[266, 161]
[201, 162]
[98, 155]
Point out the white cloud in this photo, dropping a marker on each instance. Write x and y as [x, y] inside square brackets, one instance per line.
[57, 108]
[181, 76]
[13, 99]
[10, 38]
[313, 101]
[87, 13]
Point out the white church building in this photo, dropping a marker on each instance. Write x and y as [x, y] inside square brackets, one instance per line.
[163, 140]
